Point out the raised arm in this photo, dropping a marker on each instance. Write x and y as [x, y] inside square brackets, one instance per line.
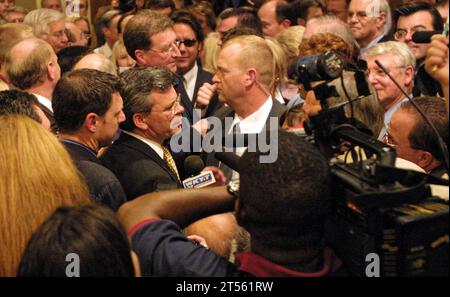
[183, 206]
[436, 63]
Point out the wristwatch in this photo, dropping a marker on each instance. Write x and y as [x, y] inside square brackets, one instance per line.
[233, 188]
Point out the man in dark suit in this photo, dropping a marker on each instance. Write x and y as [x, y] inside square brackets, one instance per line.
[88, 109]
[369, 29]
[153, 111]
[408, 19]
[244, 81]
[192, 75]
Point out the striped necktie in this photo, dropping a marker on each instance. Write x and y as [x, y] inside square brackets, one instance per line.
[170, 162]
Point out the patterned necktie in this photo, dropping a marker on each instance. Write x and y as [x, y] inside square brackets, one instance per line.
[170, 162]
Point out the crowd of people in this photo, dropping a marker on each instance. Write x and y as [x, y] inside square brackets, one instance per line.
[92, 102]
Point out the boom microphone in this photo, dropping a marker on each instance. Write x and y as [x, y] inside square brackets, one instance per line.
[229, 159]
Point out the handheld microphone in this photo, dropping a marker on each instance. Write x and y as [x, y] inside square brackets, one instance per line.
[424, 36]
[194, 165]
[442, 145]
[229, 159]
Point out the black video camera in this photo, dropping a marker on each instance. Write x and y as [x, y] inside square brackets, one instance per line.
[378, 208]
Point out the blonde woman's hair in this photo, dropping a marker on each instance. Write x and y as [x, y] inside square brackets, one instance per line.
[119, 50]
[211, 52]
[279, 59]
[37, 176]
[290, 40]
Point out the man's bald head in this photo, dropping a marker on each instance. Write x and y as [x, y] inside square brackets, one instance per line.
[96, 61]
[28, 63]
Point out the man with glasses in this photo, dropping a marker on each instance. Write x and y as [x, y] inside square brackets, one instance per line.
[153, 113]
[372, 28]
[413, 138]
[151, 41]
[193, 76]
[49, 25]
[398, 59]
[416, 17]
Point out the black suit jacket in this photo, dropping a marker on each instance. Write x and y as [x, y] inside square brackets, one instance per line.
[277, 111]
[202, 77]
[424, 84]
[138, 167]
[103, 185]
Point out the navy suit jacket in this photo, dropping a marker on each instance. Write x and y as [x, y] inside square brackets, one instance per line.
[102, 183]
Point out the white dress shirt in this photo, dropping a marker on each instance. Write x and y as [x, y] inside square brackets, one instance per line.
[44, 101]
[104, 50]
[252, 124]
[190, 78]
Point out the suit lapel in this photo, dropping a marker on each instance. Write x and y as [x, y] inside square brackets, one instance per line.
[146, 150]
[186, 102]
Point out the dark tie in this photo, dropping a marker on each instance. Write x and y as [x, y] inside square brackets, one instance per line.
[227, 171]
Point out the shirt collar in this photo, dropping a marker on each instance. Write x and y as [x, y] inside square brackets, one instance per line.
[390, 112]
[80, 145]
[261, 267]
[278, 95]
[373, 42]
[191, 75]
[152, 144]
[255, 122]
[105, 50]
[387, 117]
[44, 101]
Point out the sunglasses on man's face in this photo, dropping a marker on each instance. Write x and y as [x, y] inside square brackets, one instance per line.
[188, 42]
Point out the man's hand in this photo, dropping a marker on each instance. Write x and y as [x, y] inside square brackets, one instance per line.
[221, 180]
[198, 240]
[436, 63]
[205, 94]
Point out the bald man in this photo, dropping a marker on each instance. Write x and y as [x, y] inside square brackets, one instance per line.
[96, 61]
[32, 66]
